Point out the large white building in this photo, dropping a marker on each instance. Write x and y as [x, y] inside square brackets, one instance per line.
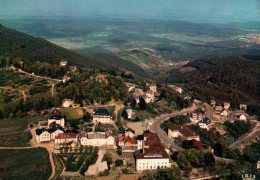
[43, 135]
[65, 139]
[196, 116]
[97, 138]
[154, 155]
[205, 123]
[56, 117]
[102, 116]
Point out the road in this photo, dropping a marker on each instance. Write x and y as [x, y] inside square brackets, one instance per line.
[155, 127]
[22, 91]
[254, 133]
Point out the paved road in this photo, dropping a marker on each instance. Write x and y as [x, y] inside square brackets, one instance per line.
[238, 142]
[162, 134]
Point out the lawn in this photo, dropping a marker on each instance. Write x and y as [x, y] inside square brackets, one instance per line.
[25, 164]
[10, 125]
[73, 113]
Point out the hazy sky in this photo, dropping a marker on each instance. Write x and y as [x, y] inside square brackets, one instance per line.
[206, 10]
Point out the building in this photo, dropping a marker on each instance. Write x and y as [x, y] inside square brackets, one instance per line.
[130, 133]
[224, 113]
[65, 78]
[97, 139]
[130, 86]
[154, 154]
[242, 117]
[212, 102]
[176, 88]
[258, 164]
[149, 96]
[129, 113]
[192, 144]
[130, 145]
[64, 139]
[196, 116]
[66, 103]
[73, 68]
[56, 118]
[63, 63]
[153, 88]
[226, 105]
[243, 107]
[122, 140]
[183, 131]
[205, 123]
[101, 78]
[102, 116]
[45, 135]
[218, 109]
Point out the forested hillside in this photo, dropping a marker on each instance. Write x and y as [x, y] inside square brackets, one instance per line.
[224, 78]
[16, 44]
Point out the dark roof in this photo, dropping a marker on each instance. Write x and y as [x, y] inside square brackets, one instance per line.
[129, 130]
[140, 137]
[55, 129]
[56, 114]
[197, 111]
[101, 112]
[40, 131]
[192, 144]
[206, 121]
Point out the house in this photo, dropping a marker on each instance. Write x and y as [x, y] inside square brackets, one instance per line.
[45, 135]
[63, 63]
[64, 139]
[258, 164]
[226, 105]
[242, 117]
[130, 145]
[205, 123]
[189, 144]
[243, 107]
[130, 133]
[218, 109]
[57, 118]
[130, 86]
[224, 113]
[183, 131]
[154, 154]
[212, 102]
[101, 78]
[102, 116]
[129, 113]
[122, 140]
[65, 78]
[97, 138]
[149, 96]
[153, 88]
[73, 68]
[176, 88]
[196, 116]
[66, 103]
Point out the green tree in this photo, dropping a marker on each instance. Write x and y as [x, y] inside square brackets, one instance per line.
[119, 162]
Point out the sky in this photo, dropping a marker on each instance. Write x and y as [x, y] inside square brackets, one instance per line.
[204, 10]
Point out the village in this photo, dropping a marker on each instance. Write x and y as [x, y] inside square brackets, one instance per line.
[140, 147]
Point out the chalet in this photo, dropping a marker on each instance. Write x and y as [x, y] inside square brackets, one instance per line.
[65, 78]
[196, 116]
[43, 135]
[63, 63]
[226, 105]
[243, 107]
[149, 96]
[102, 116]
[183, 131]
[129, 113]
[64, 139]
[205, 123]
[130, 133]
[242, 117]
[154, 154]
[97, 138]
[218, 109]
[192, 144]
[212, 102]
[224, 113]
[176, 88]
[66, 103]
[57, 118]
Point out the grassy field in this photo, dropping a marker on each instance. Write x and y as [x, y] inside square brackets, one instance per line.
[10, 125]
[20, 139]
[73, 113]
[25, 164]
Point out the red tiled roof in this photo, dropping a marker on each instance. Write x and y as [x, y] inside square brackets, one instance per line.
[65, 136]
[131, 141]
[184, 130]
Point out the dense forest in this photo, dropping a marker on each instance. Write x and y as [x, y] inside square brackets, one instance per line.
[15, 44]
[223, 78]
